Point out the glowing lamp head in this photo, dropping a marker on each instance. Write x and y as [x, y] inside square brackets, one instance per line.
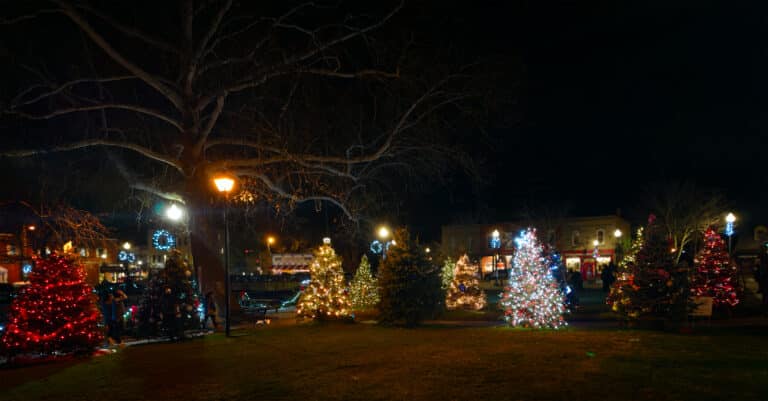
[103, 255]
[127, 246]
[427, 250]
[730, 218]
[174, 212]
[595, 243]
[617, 233]
[327, 240]
[495, 234]
[383, 232]
[271, 240]
[31, 228]
[224, 184]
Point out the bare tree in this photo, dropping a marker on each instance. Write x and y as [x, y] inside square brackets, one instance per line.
[274, 97]
[684, 210]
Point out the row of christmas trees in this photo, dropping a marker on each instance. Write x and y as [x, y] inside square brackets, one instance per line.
[651, 283]
[407, 278]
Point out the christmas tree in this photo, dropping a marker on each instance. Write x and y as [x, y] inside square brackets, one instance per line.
[464, 291]
[170, 304]
[655, 285]
[715, 275]
[326, 296]
[57, 312]
[618, 297]
[449, 269]
[532, 297]
[409, 284]
[363, 290]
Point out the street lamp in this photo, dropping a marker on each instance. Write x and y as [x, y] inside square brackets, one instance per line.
[225, 185]
[729, 219]
[127, 246]
[383, 233]
[174, 213]
[495, 245]
[617, 235]
[270, 242]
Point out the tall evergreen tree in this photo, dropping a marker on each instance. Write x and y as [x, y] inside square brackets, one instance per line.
[326, 296]
[409, 284]
[464, 291]
[170, 304]
[57, 312]
[532, 297]
[364, 289]
[715, 275]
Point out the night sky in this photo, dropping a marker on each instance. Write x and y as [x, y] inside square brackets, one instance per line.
[595, 100]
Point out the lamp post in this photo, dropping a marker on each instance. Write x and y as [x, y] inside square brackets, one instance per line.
[617, 237]
[495, 245]
[270, 242]
[729, 219]
[384, 233]
[225, 185]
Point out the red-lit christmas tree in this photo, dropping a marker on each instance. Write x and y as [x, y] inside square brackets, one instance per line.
[715, 275]
[56, 313]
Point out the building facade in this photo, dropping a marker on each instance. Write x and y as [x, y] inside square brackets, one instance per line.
[587, 244]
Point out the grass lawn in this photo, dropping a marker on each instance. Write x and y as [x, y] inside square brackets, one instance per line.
[366, 362]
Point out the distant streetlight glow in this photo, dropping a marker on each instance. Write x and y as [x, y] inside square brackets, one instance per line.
[617, 233]
[595, 243]
[127, 246]
[427, 250]
[730, 218]
[31, 228]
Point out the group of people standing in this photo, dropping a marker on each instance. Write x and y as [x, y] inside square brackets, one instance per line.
[113, 309]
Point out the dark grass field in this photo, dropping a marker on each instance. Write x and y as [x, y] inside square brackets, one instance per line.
[367, 362]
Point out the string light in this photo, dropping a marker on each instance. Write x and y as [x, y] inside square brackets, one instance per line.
[715, 274]
[363, 290]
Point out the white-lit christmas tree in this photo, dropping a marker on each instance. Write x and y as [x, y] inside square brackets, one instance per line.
[325, 296]
[363, 289]
[532, 297]
[464, 291]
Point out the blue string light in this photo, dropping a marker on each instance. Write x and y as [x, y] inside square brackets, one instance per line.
[163, 240]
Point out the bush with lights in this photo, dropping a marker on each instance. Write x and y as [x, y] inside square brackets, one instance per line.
[409, 284]
[364, 289]
[714, 274]
[326, 296]
[464, 292]
[170, 304]
[532, 297]
[56, 313]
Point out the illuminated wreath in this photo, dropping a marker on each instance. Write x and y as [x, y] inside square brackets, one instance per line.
[124, 256]
[377, 247]
[162, 240]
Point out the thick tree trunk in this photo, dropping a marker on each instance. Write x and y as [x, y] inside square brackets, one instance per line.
[207, 236]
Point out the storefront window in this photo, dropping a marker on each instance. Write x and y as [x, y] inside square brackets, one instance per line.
[575, 238]
[601, 236]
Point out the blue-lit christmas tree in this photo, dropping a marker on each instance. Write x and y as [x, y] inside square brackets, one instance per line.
[532, 297]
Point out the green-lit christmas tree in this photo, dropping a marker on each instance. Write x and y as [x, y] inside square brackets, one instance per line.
[449, 269]
[363, 290]
[464, 291]
[618, 298]
[326, 296]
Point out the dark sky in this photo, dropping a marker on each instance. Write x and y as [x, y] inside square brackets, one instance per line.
[601, 98]
[616, 95]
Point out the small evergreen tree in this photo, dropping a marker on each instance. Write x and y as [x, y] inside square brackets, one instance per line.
[363, 290]
[532, 297]
[618, 297]
[409, 285]
[449, 269]
[325, 296]
[464, 291]
[715, 275]
[57, 312]
[170, 304]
